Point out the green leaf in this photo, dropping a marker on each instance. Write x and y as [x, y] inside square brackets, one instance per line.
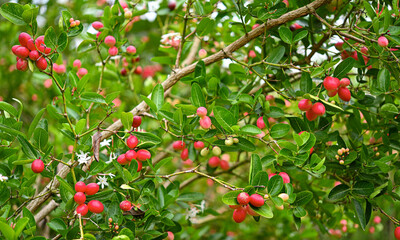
[261, 179]
[163, 60]
[279, 130]
[62, 42]
[35, 122]
[302, 198]
[30, 15]
[276, 55]
[92, 97]
[6, 230]
[230, 198]
[246, 145]
[363, 188]
[190, 197]
[383, 80]
[305, 82]
[285, 34]
[389, 109]
[157, 96]
[264, 210]
[127, 120]
[162, 163]
[149, 103]
[80, 126]
[299, 212]
[300, 36]
[344, 67]
[10, 130]
[27, 148]
[66, 185]
[255, 167]
[21, 224]
[147, 139]
[197, 98]
[50, 38]
[224, 117]
[358, 208]
[40, 138]
[338, 192]
[275, 185]
[250, 130]
[13, 13]
[8, 108]
[205, 26]
[58, 225]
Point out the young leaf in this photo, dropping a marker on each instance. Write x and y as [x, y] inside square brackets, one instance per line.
[279, 130]
[197, 98]
[285, 34]
[157, 96]
[13, 13]
[275, 185]
[255, 167]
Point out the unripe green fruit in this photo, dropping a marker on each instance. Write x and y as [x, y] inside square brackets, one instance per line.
[236, 140]
[204, 152]
[216, 151]
[229, 142]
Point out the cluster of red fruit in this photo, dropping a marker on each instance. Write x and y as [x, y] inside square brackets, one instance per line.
[312, 110]
[244, 208]
[132, 142]
[34, 50]
[81, 71]
[94, 206]
[205, 121]
[74, 23]
[341, 155]
[181, 146]
[37, 166]
[335, 86]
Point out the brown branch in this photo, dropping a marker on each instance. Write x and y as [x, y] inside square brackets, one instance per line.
[180, 73]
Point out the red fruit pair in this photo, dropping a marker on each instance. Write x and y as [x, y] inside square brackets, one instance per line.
[318, 109]
[216, 161]
[255, 199]
[90, 189]
[285, 176]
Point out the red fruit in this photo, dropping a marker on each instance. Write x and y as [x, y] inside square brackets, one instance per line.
[95, 206]
[125, 205]
[185, 154]
[22, 52]
[239, 215]
[271, 175]
[14, 49]
[131, 50]
[198, 145]
[205, 122]
[138, 70]
[37, 166]
[332, 93]
[255, 26]
[77, 63]
[79, 198]
[80, 187]
[140, 165]
[34, 55]
[122, 159]
[344, 94]
[178, 145]
[339, 46]
[172, 5]
[23, 39]
[132, 141]
[143, 155]
[22, 64]
[224, 165]
[256, 200]
[47, 50]
[250, 211]
[235, 206]
[252, 54]
[243, 198]
[285, 176]
[382, 41]
[41, 63]
[82, 72]
[331, 83]
[82, 209]
[113, 51]
[31, 45]
[187, 163]
[214, 161]
[305, 104]
[260, 123]
[201, 112]
[397, 233]
[124, 72]
[97, 25]
[318, 108]
[130, 155]
[39, 41]
[92, 189]
[109, 41]
[137, 120]
[310, 115]
[295, 26]
[364, 50]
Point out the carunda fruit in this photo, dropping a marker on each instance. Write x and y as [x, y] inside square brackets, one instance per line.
[239, 215]
[80, 187]
[331, 83]
[143, 155]
[37, 166]
[125, 205]
[214, 162]
[318, 108]
[92, 188]
[82, 209]
[344, 94]
[256, 200]
[132, 141]
[383, 41]
[243, 198]
[305, 105]
[79, 198]
[95, 206]
[179, 145]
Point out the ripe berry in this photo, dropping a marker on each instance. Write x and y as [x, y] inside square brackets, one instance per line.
[132, 141]
[305, 104]
[23, 39]
[128, 14]
[202, 53]
[224, 165]
[185, 154]
[113, 51]
[130, 155]
[331, 83]
[252, 54]
[124, 72]
[77, 63]
[239, 215]
[256, 200]
[137, 120]
[22, 64]
[201, 112]
[214, 162]
[41, 63]
[205, 122]
[339, 46]
[125, 205]
[318, 108]
[187, 163]
[82, 72]
[250, 211]
[255, 26]
[109, 41]
[80, 187]
[34, 55]
[122, 159]
[140, 165]
[92, 188]
[131, 50]
[97, 25]
[285, 177]
[344, 82]
[260, 123]
[198, 145]
[82, 209]
[243, 198]
[143, 155]
[22, 52]
[382, 41]
[216, 150]
[344, 94]
[178, 145]
[37, 166]
[271, 175]
[172, 5]
[79, 198]
[310, 115]
[397, 233]
[332, 93]
[14, 49]
[95, 206]
[295, 26]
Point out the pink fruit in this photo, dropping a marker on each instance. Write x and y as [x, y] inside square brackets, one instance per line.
[22, 52]
[37, 166]
[80, 187]
[31, 45]
[97, 25]
[256, 200]
[137, 120]
[214, 161]
[95, 206]
[92, 188]
[205, 122]
[318, 108]
[125, 205]
[22, 64]
[224, 165]
[383, 41]
[130, 155]
[285, 177]
[143, 155]
[344, 94]
[271, 175]
[305, 104]
[113, 51]
[172, 5]
[332, 93]
[198, 145]
[82, 72]
[132, 141]
[331, 83]
[23, 39]
[131, 50]
[34, 55]
[260, 123]
[77, 63]
[397, 233]
[79, 198]
[255, 26]
[202, 53]
[122, 159]
[344, 82]
[243, 198]
[252, 54]
[179, 145]
[82, 209]
[140, 166]
[201, 112]
[239, 215]
[110, 41]
[185, 154]
[14, 49]
[310, 115]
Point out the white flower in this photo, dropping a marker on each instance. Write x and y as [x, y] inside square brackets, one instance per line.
[191, 215]
[83, 158]
[112, 157]
[111, 175]
[3, 178]
[105, 142]
[102, 181]
[202, 205]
